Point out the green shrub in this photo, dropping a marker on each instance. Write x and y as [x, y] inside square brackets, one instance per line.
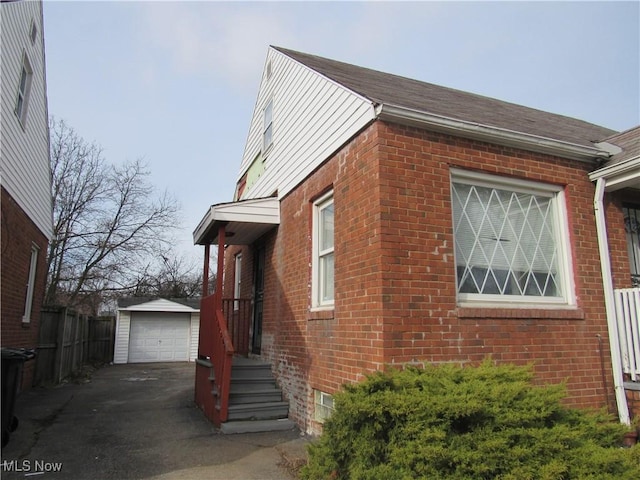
[450, 422]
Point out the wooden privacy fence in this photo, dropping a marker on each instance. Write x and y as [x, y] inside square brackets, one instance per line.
[68, 340]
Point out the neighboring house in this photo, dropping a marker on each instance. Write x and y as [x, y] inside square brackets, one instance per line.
[156, 330]
[382, 221]
[25, 175]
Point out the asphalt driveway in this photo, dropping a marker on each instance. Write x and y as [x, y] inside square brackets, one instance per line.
[136, 422]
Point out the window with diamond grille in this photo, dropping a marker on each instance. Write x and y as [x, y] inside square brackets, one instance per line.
[632, 227]
[508, 240]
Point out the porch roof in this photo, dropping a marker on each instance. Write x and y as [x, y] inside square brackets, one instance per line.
[245, 221]
[623, 170]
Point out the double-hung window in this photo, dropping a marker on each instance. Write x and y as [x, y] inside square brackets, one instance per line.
[31, 282]
[267, 135]
[237, 282]
[24, 87]
[510, 240]
[323, 257]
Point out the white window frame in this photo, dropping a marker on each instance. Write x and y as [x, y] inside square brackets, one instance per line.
[237, 281]
[31, 282]
[631, 215]
[323, 405]
[24, 89]
[267, 127]
[561, 230]
[317, 272]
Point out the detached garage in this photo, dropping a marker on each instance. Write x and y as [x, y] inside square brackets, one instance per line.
[157, 330]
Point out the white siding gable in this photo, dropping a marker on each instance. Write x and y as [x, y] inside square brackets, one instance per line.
[312, 118]
[159, 305]
[24, 166]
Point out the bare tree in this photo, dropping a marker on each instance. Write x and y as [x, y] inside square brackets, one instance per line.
[172, 276]
[108, 220]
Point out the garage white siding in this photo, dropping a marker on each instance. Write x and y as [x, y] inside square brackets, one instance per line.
[195, 332]
[159, 337]
[121, 350]
[156, 330]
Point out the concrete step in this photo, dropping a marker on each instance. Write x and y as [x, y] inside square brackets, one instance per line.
[259, 411]
[241, 394]
[255, 382]
[254, 426]
[251, 371]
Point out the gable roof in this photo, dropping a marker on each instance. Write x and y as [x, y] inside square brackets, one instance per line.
[629, 142]
[159, 304]
[393, 90]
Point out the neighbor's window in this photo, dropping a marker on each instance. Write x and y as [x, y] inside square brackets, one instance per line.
[323, 258]
[267, 138]
[24, 87]
[323, 403]
[632, 227]
[31, 280]
[510, 240]
[237, 281]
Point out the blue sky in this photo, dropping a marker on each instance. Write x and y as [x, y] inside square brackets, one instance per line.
[175, 83]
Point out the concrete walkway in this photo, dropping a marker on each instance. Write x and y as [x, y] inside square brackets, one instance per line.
[137, 422]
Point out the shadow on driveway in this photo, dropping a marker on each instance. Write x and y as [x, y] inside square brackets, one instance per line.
[135, 422]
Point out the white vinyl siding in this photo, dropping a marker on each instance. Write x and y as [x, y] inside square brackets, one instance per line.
[510, 240]
[121, 349]
[25, 171]
[195, 332]
[314, 117]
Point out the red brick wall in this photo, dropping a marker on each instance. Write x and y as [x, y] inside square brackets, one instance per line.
[424, 322]
[18, 235]
[395, 298]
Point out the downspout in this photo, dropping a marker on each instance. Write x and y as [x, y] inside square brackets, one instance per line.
[607, 283]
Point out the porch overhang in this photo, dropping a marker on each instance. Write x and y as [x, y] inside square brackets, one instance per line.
[620, 175]
[245, 221]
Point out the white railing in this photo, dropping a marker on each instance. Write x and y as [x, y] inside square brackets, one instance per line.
[627, 302]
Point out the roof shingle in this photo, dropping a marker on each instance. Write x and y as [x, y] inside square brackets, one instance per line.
[389, 89]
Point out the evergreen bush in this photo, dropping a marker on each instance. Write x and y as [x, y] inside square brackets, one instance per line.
[450, 422]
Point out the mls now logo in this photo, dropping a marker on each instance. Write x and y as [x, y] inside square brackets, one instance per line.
[30, 466]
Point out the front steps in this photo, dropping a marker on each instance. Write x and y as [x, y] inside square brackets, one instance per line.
[255, 401]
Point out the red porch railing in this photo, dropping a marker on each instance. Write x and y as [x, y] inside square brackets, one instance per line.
[217, 345]
[238, 313]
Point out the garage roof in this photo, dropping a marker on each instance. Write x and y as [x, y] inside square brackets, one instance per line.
[153, 304]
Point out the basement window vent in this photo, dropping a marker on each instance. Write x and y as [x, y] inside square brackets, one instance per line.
[323, 405]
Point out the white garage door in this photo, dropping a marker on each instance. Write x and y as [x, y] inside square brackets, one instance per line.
[159, 337]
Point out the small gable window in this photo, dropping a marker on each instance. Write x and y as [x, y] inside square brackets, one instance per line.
[24, 87]
[267, 136]
[33, 32]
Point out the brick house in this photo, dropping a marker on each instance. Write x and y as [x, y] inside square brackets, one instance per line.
[381, 221]
[25, 175]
